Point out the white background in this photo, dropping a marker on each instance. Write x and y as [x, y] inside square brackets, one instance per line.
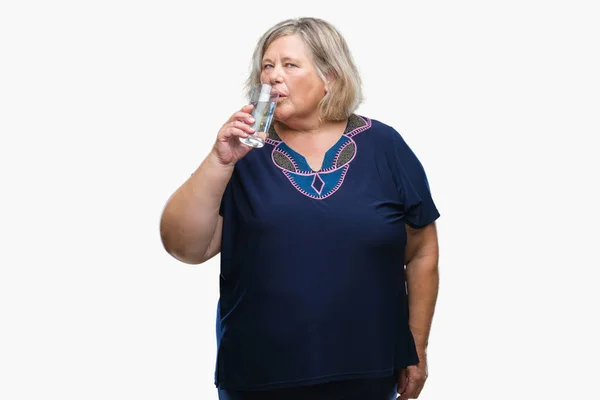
[106, 107]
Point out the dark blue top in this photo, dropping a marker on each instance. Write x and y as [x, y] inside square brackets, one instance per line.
[312, 284]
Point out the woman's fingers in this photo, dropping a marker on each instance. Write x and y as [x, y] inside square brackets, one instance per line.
[402, 381]
[235, 128]
[243, 115]
[242, 126]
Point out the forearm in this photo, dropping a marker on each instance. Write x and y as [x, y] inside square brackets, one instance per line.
[422, 281]
[190, 216]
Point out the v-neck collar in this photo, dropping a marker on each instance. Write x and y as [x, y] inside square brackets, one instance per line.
[328, 156]
[319, 185]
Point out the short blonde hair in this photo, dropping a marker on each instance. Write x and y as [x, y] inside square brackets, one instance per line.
[331, 56]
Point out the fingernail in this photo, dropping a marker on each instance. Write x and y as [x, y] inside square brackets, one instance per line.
[251, 120]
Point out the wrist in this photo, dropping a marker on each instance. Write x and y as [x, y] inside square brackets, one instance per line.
[215, 162]
[421, 351]
[421, 339]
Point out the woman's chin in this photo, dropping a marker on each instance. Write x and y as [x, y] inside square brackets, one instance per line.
[280, 115]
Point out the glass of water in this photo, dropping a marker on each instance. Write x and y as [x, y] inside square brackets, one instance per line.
[264, 99]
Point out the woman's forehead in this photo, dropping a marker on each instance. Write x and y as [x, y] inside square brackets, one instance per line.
[289, 46]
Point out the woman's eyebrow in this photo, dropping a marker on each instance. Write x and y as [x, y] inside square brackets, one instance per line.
[284, 58]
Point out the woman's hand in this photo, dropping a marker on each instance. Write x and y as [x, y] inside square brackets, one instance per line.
[228, 149]
[412, 379]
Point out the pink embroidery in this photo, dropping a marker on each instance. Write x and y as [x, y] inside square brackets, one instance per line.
[319, 189]
[360, 129]
[312, 196]
[318, 184]
[287, 155]
[337, 155]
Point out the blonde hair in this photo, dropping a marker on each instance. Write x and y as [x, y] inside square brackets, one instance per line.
[332, 59]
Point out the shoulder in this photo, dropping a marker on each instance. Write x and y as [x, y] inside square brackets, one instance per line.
[393, 144]
[379, 126]
[385, 133]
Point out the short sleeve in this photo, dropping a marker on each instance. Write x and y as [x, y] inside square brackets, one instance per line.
[415, 193]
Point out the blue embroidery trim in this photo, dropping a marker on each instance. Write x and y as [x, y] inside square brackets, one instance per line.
[325, 182]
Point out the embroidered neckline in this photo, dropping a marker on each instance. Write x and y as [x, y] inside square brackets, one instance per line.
[325, 182]
[354, 126]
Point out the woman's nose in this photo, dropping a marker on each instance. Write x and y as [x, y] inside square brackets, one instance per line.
[275, 75]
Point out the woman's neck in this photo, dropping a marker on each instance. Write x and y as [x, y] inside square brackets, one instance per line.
[293, 129]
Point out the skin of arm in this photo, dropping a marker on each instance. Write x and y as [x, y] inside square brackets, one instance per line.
[422, 277]
[190, 225]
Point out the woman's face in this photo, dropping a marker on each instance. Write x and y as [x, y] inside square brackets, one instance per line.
[287, 65]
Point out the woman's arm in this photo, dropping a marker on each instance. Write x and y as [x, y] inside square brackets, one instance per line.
[190, 225]
[422, 281]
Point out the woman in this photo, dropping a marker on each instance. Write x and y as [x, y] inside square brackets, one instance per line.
[314, 231]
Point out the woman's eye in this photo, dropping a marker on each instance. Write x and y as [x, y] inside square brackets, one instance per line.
[267, 66]
[290, 65]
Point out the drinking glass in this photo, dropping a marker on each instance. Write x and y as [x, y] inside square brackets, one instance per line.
[264, 99]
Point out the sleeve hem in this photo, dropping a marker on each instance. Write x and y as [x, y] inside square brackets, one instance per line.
[424, 222]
